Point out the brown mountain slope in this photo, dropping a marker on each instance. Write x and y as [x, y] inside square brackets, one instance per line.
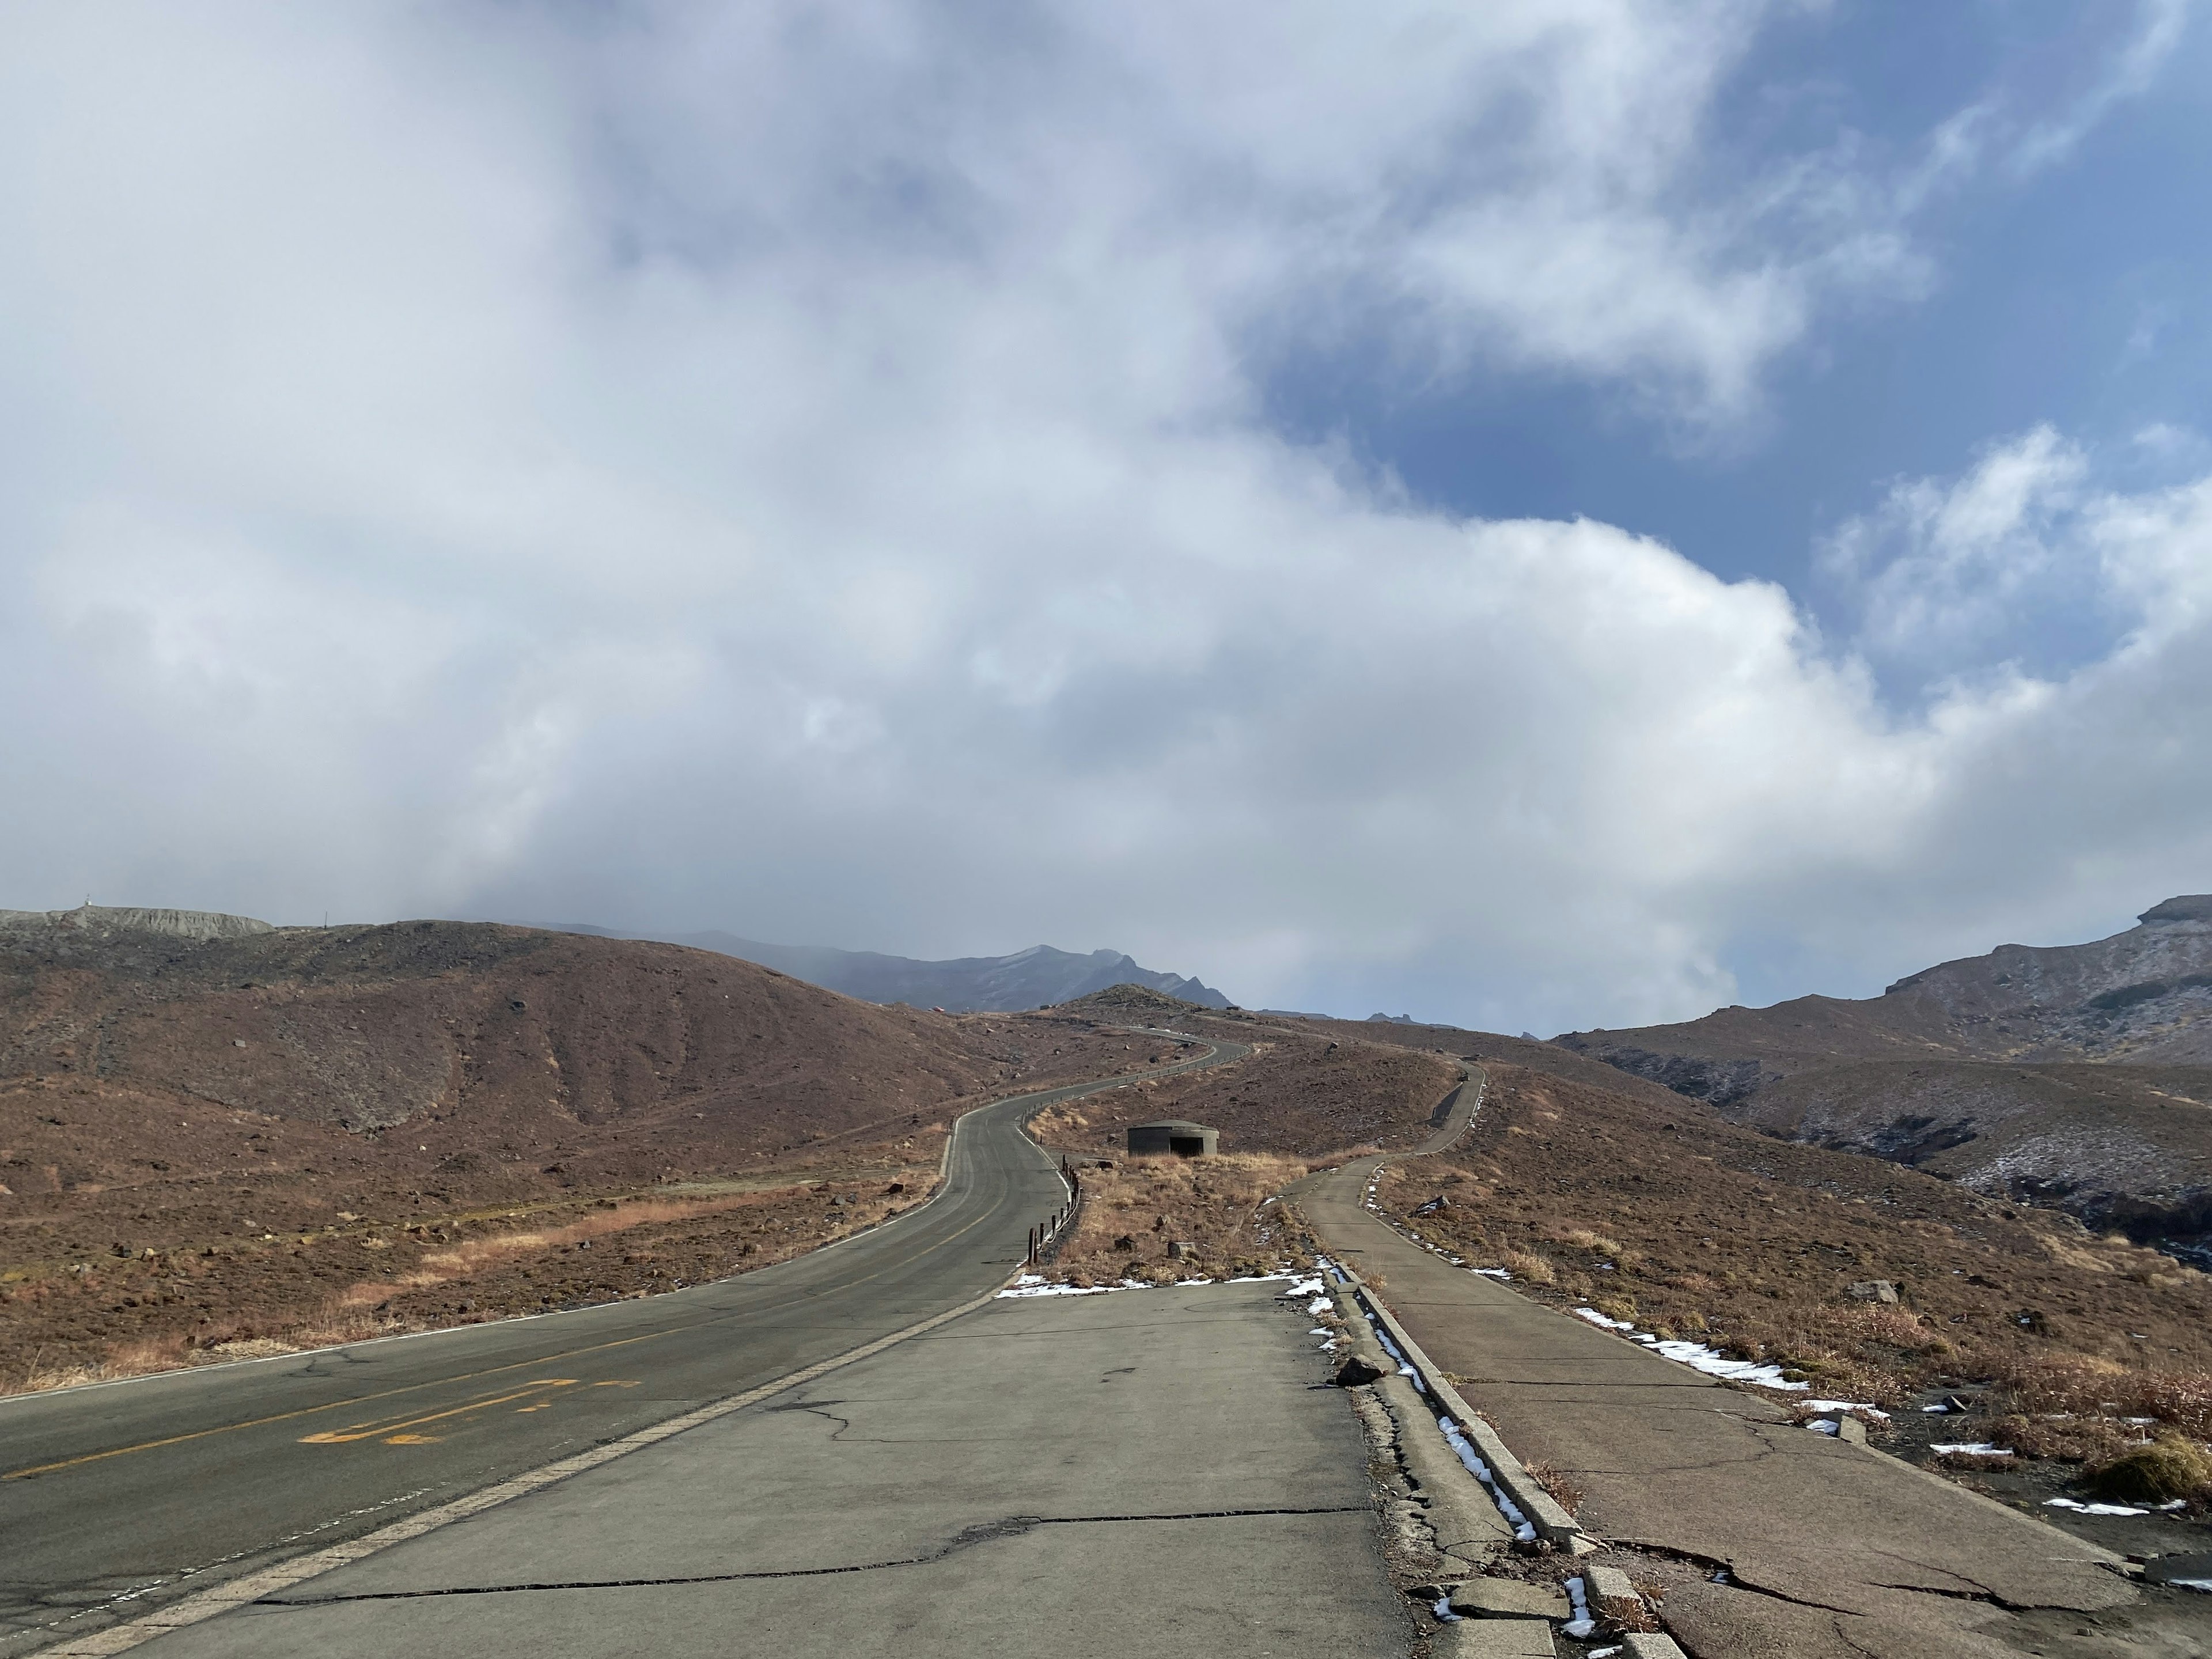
[2079, 1075]
[1595, 1187]
[210, 1128]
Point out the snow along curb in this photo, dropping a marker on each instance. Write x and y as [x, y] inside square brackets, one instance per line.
[1554, 1524]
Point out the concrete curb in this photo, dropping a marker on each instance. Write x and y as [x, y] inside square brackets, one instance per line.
[1554, 1524]
[1467, 1526]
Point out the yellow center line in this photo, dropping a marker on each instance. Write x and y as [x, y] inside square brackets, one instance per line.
[539, 1359]
[328, 1405]
[371, 1430]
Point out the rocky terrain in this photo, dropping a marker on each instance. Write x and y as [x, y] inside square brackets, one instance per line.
[1035, 978]
[213, 1130]
[2083, 1356]
[2079, 1076]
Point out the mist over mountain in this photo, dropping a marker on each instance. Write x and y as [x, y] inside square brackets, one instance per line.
[1027, 979]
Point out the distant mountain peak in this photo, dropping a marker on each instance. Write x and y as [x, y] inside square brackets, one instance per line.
[1036, 977]
[2190, 907]
[105, 918]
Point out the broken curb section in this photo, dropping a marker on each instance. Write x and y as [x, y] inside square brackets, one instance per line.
[1552, 1523]
[1458, 1501]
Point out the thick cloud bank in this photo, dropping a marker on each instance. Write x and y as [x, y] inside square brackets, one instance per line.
[802, 471]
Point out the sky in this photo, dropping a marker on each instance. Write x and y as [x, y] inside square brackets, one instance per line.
[1537, 515]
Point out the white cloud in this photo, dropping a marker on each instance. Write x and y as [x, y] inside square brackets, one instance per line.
[2128, 73]
[1944, 573]
[801, 470]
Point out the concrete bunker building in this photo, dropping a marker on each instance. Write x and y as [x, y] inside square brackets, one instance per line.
[1173, 1135]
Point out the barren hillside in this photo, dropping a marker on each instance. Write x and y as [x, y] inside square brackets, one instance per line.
[2079, 1076]
[211, 1130]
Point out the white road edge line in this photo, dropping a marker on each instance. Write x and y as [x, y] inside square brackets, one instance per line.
[250, 1587]
[247, 1588]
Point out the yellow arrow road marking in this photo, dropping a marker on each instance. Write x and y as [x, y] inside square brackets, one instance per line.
[372, 1430]
[595, 1347]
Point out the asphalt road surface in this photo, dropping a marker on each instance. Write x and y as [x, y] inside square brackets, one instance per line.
[1149, 1474]
[117, 1498]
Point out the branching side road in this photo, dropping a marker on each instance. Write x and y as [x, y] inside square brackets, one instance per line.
[116, 1498]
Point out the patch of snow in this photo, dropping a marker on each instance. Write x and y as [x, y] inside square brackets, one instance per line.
[1825, 1425]
[1597, 1318]
[1524, 1529]
[1582, 1625]
[1443, 1613]
[2204, 1584]
[1491, 1273]
[1847, 1405]
[1321, 1304]
[1305, 1287]
[1698, 1357]
[1064, 1290]
[2107, 1508]
[1974, 1449]
[1605, 1653]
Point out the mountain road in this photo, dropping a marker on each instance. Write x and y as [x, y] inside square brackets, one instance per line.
[117, 1498]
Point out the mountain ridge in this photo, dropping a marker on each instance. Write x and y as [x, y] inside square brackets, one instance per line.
[1040, 976]
[2079, 1075]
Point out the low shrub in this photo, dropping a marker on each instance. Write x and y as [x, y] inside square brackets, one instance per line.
[2173, 1466]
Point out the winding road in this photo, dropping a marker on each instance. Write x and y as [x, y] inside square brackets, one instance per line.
[116, 1499]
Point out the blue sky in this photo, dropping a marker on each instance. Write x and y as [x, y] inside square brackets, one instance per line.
[2078, 294]
[1555, 513]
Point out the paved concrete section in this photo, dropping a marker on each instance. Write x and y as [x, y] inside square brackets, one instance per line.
[157, 1487]
[1855, 1553]
[1152, 1474]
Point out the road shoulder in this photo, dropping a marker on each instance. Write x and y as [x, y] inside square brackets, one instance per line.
[1149, 1473]
[1766, 1538]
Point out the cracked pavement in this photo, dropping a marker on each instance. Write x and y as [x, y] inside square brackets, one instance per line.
[1834, 1550]
[1149, 1473]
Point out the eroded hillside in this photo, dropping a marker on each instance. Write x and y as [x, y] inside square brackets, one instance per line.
[2075, 1076]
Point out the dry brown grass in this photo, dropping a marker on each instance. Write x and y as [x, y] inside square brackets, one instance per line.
[1699, 1229]
[1563, 1491]
[2171, 1466]
[1132, 1211]
[480, 1266]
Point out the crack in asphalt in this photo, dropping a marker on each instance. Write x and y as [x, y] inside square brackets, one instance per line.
[820, 1409]
[1013, 1526]
[1735, 1578]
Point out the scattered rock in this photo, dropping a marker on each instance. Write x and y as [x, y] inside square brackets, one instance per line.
[1874, 1289]
[1356, 1372]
